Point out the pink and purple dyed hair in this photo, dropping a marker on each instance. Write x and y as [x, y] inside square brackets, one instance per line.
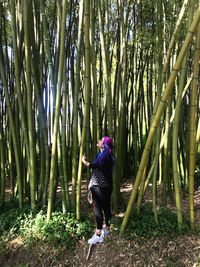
[106, 157]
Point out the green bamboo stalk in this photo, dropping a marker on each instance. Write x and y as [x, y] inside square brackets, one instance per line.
[198, 133]
[87, 103]
[141, 191]
[13, 130]
[158, 115]
[95, 108]
[192, 131]
[57, 111]
[63, 138]
[43, 130]
[166, 153]
[122, 117]
[106, 74]
[47, 48]
[175, 135]
[11, 163]
[75, 106]
[29, 103]
[159, 85]
[61, 174]
[2, 164]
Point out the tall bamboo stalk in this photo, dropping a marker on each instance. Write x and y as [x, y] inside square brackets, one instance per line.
[192, 131]
[63, 137]
[175, 133]
[75, 106]
[106, 75]
[29, 103]
[87, 102]
[57, 111]
[2, 164]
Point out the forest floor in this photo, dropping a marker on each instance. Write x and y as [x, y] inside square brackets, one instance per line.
[183, 250]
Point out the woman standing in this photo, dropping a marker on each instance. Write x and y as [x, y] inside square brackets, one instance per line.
[101, 186]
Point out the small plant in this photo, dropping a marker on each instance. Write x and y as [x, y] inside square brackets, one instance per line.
[61, 231]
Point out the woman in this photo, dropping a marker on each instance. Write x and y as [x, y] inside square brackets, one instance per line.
[101, 186]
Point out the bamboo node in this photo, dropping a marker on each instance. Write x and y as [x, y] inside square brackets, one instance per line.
[177, 70]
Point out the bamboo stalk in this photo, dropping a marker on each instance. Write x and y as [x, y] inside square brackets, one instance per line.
[87, 103]
[192, 131]
[57, 112]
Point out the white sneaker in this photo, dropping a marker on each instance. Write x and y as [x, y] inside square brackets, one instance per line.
[95, 239]
[106, 231]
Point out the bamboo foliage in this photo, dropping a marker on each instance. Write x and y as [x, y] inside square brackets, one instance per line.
[158, 115]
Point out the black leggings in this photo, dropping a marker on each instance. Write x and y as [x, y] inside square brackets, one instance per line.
[101, 198]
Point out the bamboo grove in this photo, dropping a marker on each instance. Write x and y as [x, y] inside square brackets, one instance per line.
[74, 71]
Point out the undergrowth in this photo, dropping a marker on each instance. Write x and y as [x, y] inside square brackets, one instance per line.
[143, 224]
[61, 231]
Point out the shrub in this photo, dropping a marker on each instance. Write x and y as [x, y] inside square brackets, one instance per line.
[61, 231]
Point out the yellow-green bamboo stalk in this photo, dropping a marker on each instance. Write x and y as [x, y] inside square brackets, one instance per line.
[158, 115]
[16, 147]
[198, 134]
[175, 135]
[192, 130]
[17, 75]
[48, 54]
[29, 103]
[63, 139]
[95, 108]
[87, 103]
[106, 75]
[122, 117]
[2, 164]
[61, 174]
[57, 111]
[141, 191]
[159, 90]
[43, 130]
[10, 163]
[75, 106]
[166, 163]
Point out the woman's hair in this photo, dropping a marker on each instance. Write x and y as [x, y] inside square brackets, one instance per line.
[106, 157]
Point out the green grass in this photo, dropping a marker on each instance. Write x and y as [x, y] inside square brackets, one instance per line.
[143, 224]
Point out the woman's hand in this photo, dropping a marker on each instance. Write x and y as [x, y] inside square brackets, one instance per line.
[84, 159]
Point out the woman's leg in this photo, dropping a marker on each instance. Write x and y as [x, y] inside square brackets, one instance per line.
[97, 199]
[106, 204]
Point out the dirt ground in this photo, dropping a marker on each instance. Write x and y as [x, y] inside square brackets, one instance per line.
[180, 251]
